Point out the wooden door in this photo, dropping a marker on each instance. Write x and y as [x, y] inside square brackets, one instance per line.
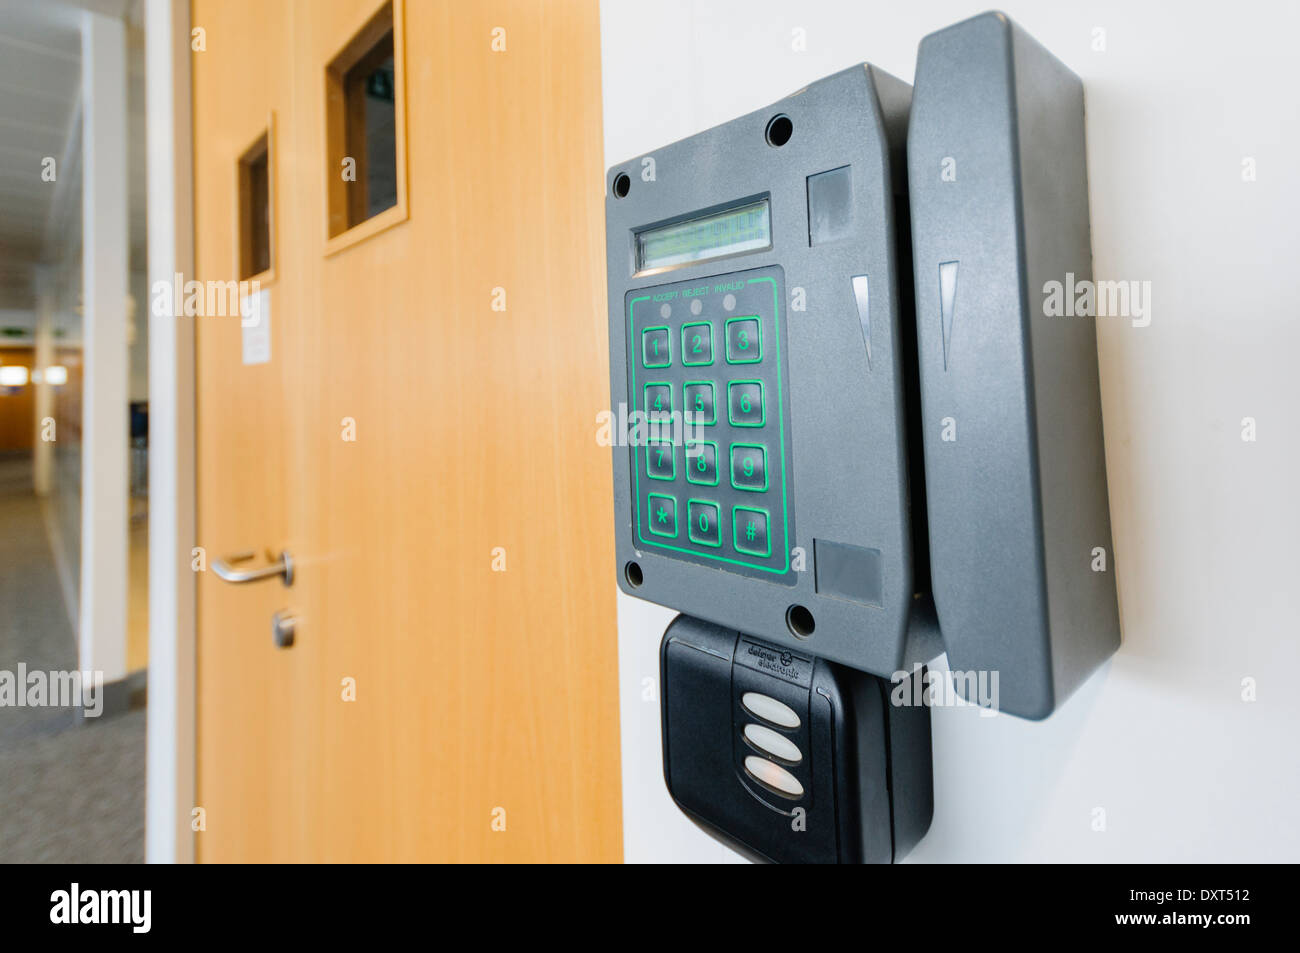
[429, 459]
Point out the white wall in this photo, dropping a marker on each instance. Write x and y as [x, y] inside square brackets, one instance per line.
[104, 414]
[1206, 526]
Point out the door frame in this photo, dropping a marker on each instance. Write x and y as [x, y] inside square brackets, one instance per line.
[170, 717]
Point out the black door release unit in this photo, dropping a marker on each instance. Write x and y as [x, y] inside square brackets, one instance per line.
[856, 436]
[788, 757]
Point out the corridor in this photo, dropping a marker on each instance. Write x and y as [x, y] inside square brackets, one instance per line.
[71, 791]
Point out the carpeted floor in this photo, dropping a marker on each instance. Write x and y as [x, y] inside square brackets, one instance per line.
[71, 790]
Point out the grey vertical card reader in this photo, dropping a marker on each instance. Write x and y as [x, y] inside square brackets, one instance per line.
[849, 437]
[1015, 469]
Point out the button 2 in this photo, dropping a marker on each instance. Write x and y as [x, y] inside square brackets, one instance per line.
[774, 743]
[655, 343]
[697, 344]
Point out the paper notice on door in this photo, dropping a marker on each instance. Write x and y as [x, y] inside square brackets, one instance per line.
[255, 321]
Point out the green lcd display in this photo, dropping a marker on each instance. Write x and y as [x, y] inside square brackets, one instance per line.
[743, 228]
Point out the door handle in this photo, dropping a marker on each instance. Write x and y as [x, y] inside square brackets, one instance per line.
[225, 568]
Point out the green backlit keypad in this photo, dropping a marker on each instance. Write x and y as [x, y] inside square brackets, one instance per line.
[714, 485]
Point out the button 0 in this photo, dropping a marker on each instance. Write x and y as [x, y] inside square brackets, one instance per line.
[749, 467]
[662, 511]
[745, 404]
[770, 710]
[749, 531]
[702, 526]
[744, 341]
[774, 743]
[655, 344]
[772, 775]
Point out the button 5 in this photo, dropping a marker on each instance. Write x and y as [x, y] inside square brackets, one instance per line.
[699, 402]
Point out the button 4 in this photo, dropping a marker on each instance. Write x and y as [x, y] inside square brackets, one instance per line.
[658, 399]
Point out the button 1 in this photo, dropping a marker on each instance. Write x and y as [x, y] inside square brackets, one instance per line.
[745, 404]
[703, 527]
[697, 344]
[699, 402]
[659, 462]
[662, 510]
[770, 710]
[655, 347]
[749, 467]
[744, 341]
[658, 399]
[702, 462]
[749, 531]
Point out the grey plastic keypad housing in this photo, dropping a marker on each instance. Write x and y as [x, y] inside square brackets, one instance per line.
[840, 367]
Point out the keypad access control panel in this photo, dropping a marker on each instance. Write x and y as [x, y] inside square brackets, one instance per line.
[710, 463]
[753, 293]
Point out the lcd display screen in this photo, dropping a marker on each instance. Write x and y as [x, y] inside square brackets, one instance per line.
[744, 228]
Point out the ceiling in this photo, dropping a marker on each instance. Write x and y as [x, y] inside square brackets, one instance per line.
[40, 77]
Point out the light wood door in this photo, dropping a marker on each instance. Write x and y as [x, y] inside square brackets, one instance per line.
[484, 699]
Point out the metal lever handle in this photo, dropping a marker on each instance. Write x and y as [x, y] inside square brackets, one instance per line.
[224, 568]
